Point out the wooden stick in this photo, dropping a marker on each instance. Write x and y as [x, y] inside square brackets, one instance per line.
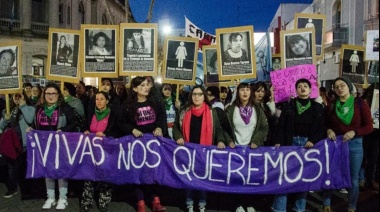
[177, 93]
[7, 102]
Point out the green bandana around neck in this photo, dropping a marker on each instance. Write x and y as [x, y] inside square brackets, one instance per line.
[49, 109]
[68, 98]
[345, 110]
[100, 115]
[301, 108]
[168, 103]
[34, 98]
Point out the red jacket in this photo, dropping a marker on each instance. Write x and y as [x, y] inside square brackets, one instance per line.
[361, 122]
[10, 144]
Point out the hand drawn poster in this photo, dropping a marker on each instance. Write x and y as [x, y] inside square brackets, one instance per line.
[284, 81]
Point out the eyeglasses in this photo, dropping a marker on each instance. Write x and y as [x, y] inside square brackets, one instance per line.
[51, 94]
[341, 86]
[167, 89]
[197, 94]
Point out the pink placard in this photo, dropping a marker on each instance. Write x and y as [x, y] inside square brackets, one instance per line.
[284, 81]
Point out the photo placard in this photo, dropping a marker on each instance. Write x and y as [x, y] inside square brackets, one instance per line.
[63, 56]
[297, 47]
[210, 67]
[316, 21]
[276, 62]
[180, 60]
[352, 64]
[236, 53]
[372, 45]
[99, 49]
[138, 49]
[10, 72]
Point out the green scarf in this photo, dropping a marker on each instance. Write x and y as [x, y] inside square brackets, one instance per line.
[49, 109]
[345, 110]
[34, 98]
[68, 98]
[301, 108]
[100, 115]
[168, 103]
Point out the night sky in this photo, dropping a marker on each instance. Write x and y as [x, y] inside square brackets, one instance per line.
[211, 14]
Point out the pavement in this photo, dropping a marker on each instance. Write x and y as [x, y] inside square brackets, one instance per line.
[173, 199]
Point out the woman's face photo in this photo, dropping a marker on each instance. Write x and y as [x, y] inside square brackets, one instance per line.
[299, 48]
[136, 35]
[237, 43]
[101, 42]
[63, 39]
[5, 61]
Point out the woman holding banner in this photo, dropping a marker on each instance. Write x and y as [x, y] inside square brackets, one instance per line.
[53, 114]
[102, 123]
[248, 124]
[141, 114]
[350, 117]
[300, 124]
[198, 123]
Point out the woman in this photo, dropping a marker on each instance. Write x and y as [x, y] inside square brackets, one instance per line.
[247, 123]
[351, 118]
[297, 46]
[171, 106]
[7, 58]
[20, 118]
[140, 114]
[36, 94]
[103, 123]
[198, 123]
[53, 114]
[265, 99]
[300, 124]
[64, 50]
[100, 44]
[235, 52]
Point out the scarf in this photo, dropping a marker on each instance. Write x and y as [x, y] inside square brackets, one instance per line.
[101, 114]
[246, 113]
[34, 98]
[207, 124]
[345, 110]
[49, 110]
[68, 98]
[302, 108]
[168, 103]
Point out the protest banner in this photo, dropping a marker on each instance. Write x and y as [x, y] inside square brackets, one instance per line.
[284, 81]
[192, 31]
[150, 160]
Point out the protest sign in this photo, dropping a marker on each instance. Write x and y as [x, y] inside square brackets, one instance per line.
[284, 81]
[150, 160]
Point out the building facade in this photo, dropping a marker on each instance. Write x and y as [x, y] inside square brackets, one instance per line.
[29, 21]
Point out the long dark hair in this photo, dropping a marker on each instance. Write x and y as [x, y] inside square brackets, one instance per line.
[237, 101]
[258, 86]
[132, 100]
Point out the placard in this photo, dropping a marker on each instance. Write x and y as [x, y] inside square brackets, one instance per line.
[99, 49]
[210, 67]
[276, 62]
[236, 53]
[316, 21]
[63, 55]
[297, 47]
[180, 60]
[284, 81]
[10, 73]
[375, 108]
[138, 49]
[352, 64]
[372, 45]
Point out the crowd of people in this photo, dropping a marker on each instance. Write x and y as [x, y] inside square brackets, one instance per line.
[247, 116]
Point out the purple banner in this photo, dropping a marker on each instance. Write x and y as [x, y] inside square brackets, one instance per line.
[148, 160]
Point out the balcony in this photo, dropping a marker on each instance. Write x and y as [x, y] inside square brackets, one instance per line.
[13, 26]
[336, 35]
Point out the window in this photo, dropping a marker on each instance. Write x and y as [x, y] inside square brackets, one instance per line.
[60, 13]
[81, 13]
[68, 15]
